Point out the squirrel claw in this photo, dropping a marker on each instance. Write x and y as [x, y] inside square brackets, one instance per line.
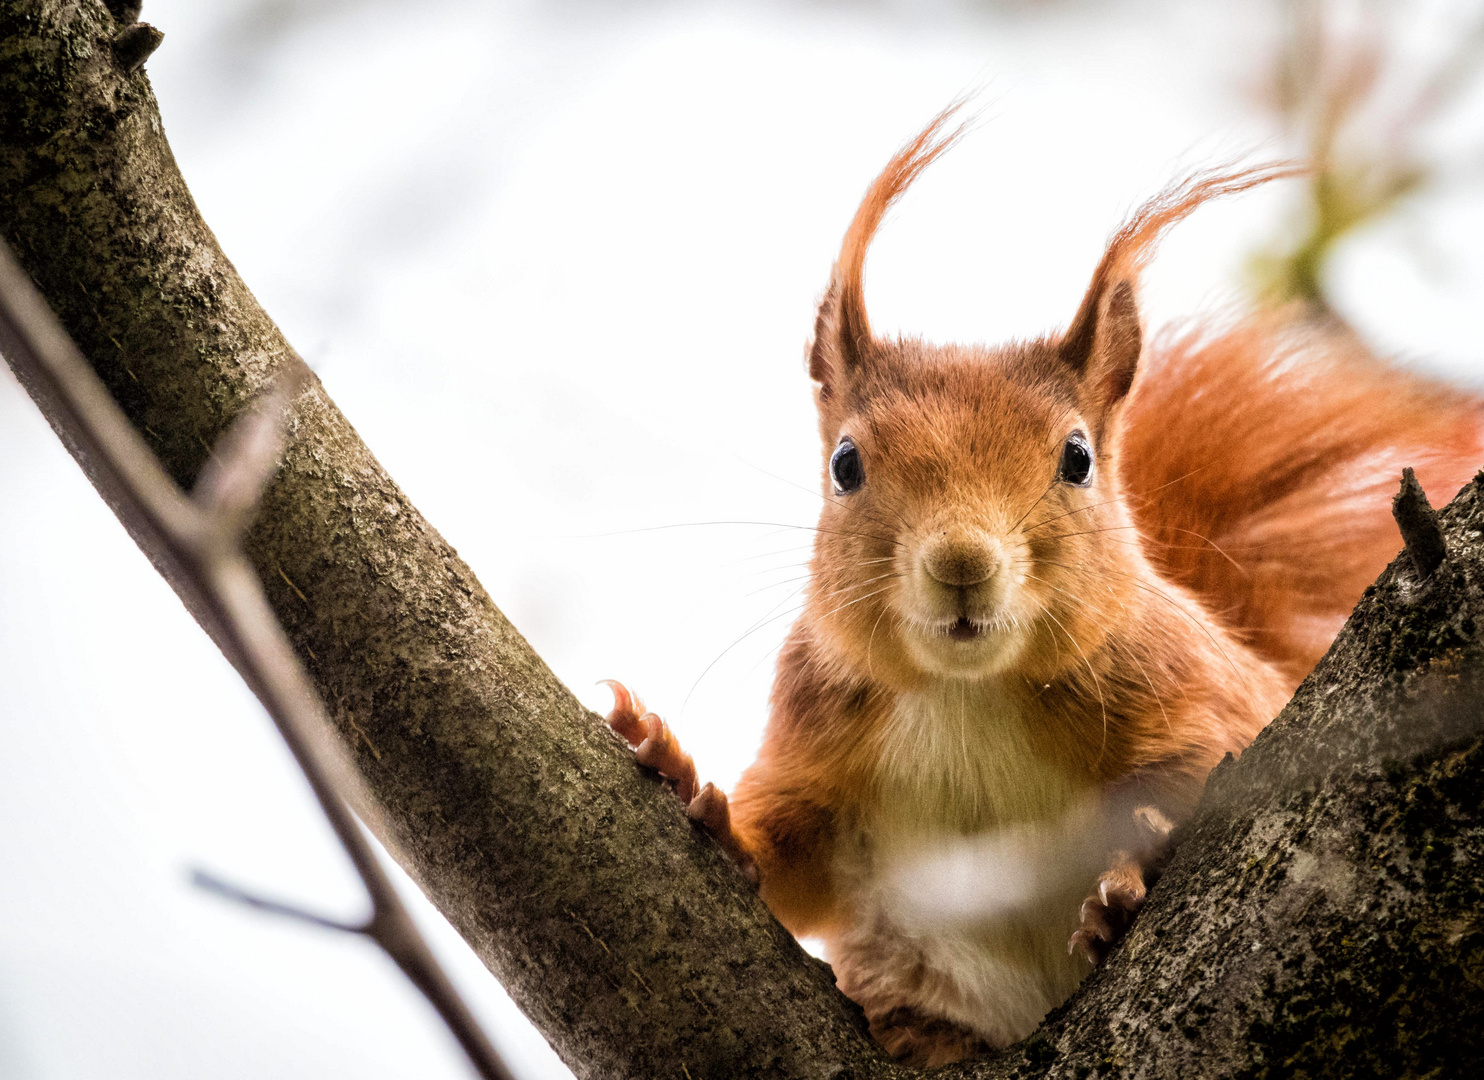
[1092, 947]
[661, 752]
[1106, 915]
[655, 747]
[624, 718]
[711, 810]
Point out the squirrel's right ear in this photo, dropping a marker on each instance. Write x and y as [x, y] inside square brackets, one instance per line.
[842, 333]
[841, 338]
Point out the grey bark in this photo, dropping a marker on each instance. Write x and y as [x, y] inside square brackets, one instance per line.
[196, 539]
[629, 939]
[1320, 916]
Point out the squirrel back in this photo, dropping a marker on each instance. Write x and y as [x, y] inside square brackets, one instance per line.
[1259, 459]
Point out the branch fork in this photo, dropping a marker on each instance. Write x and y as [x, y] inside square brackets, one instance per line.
[200, 537]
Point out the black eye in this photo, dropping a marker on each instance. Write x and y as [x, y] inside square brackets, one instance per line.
[845, 467]
[1076, 460]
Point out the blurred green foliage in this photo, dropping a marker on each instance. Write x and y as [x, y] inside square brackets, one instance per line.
[1357, 93]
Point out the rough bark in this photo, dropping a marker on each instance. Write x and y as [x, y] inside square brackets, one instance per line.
[1323, 915]
[1320, 916]
[632, 942]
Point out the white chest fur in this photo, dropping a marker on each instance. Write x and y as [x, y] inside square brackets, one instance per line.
[954, 876]
[958, 760]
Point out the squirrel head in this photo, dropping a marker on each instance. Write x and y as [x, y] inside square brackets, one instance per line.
[974, 523]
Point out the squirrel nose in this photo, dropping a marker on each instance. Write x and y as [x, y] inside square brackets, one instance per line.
[961, 561]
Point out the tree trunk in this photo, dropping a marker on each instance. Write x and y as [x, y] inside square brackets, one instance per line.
[1321, 915]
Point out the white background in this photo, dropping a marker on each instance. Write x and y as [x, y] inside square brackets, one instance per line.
[557, 263]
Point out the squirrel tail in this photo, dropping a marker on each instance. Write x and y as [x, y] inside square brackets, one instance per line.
[1259, 460]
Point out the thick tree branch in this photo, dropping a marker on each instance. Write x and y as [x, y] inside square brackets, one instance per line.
[631, 941]
[1320, 915]
[199, 539]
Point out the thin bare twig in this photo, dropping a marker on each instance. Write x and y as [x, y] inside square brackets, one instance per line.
[198, 538]
[225, 889]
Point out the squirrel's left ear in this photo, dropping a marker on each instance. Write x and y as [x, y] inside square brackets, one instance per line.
[1102, 345]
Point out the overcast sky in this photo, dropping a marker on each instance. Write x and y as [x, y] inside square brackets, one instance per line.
[557, 263]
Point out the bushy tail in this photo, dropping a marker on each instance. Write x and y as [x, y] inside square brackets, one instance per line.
[1260, 461]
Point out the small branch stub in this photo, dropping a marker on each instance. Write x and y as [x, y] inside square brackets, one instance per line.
[135, 44]
[125, 11]
[1418, 522]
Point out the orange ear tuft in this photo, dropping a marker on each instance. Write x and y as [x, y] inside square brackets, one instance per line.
[842, 330]
[1130, 249]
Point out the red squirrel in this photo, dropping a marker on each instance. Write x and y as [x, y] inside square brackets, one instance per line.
[1053, 584]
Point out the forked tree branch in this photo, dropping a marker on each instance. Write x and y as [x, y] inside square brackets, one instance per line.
[200, 538]
[635, 946]
[1320, 915]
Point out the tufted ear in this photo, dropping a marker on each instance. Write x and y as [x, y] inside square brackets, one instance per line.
[1102, 347]
[1103, 343]
[842, 332]
[836, 350]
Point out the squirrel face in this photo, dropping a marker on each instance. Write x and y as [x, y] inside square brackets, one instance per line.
[973, 521]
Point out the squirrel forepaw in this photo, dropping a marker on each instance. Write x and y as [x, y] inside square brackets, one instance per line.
[710, 808]
[654, 744]
[655, 747]
[1107, 914]
[626, 711]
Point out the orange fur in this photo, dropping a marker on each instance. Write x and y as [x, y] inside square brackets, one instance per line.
[1276, 513]
[994, 636]
[849, 302]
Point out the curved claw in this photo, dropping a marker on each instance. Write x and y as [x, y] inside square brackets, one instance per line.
[624, 717]
[1106, 915]
[655, 747]
[1097, 921]
[1090, 945]
[660, 750]
[710, 809]
[1153, 821]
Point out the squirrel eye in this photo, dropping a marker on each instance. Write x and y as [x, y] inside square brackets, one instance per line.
[1076, 460]
[845, 467]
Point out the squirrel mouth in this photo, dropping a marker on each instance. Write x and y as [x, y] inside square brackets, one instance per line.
[963, 630]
